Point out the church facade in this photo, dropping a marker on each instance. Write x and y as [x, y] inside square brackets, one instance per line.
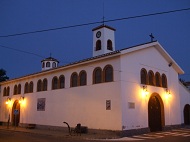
[133, 88]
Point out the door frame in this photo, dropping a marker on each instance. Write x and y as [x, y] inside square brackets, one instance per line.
[186, 114]
[16, 118]
[161, 109]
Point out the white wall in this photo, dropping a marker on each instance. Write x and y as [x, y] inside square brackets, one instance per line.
[131, 64]
[82, 104]
[184, 99]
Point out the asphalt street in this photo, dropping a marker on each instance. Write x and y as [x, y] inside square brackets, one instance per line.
[176, 135]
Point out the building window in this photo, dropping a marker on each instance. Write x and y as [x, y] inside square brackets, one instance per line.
[8, 91]
[15, 90]
[48, 64]
[164, 81]
[97, 75]
[82, 78]
[39, 85]
[43, 65]
[108, 73]
[54, 64]
[19, 89]
[109, 45]
[4, 91]
[45, 84]
[144, 76]
[74, 80]
[26, 88]
[31, 87]
[54, 83]
[62, 81]
[151, 77]
[157, 78]
[98, 45]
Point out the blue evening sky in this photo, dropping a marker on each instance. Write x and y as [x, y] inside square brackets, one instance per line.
[72, 44]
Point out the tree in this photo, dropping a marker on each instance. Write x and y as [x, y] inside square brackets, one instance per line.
[3, 76]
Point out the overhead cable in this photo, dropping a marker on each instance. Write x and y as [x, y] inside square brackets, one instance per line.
[92, 23]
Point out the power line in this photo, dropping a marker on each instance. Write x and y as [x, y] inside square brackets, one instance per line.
[92, 23]
[18, 50]
[26, 52]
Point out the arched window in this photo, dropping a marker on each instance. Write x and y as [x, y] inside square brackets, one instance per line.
[55, 83]
[74, 80]
[31, 87]
[15, 89]
[151, 78]
[157, 78]
[26, 88]
[48, 64]
[108, 73]
[19, 89]
[43, 65]
[98, 45]
[82, 78]
[164, 81]
[109, 45]
[62, 81]
[4, 91]
[54, 64]
[97, 75]
[45, 84]
[144, 76]
[39, 85]
[8, 91]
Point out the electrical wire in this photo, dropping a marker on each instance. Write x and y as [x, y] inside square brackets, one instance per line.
[18, 50]
[92, 23]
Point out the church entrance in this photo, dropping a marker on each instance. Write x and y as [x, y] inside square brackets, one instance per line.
[155, 113]
[16, 113]
[186, 113]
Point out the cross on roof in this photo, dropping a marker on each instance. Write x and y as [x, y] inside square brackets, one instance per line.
[152, 37]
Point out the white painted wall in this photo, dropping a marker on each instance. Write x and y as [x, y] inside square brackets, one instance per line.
[83, 104]
[131, 88]
[87, 104]
[184, 99]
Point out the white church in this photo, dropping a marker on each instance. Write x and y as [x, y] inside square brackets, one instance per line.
[132, 89]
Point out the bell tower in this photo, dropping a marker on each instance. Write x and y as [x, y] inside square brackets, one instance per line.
[49, 63]
[103, 40]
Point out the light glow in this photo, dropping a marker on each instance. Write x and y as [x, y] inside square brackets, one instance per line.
[168, 94]
[144, 92]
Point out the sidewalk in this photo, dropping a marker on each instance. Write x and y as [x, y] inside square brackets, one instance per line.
[63, 134]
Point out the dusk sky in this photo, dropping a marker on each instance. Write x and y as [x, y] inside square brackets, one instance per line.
[21, 55]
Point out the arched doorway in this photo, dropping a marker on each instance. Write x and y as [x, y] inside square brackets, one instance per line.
[186, 113]
[16, 113]
[155, 113]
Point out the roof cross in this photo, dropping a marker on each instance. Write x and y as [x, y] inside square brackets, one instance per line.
[152, 37]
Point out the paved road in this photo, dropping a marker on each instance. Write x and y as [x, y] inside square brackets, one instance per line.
[178, 135]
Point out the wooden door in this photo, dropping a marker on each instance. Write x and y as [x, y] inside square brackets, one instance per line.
[16, 113]
[154, 114]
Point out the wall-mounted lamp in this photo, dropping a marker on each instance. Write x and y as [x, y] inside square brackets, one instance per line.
[21, 100]
[8, 101]
[168, 94]
[170, 64]
[145, 91]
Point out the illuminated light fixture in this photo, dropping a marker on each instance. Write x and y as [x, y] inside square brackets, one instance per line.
[145, 91]
[21, 100]
[168, 94]
[8, 101]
